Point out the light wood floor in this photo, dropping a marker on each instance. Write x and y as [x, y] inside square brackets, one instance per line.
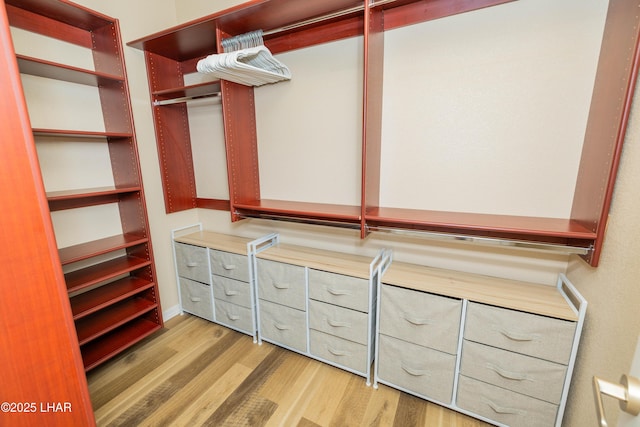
[199, 373]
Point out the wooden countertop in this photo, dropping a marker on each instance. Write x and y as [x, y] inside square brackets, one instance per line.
[523, 296]
[335, 262]
[222, 242]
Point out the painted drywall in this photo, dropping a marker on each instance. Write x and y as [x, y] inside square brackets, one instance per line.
[487, 108]
[611, 289]
[310, 128]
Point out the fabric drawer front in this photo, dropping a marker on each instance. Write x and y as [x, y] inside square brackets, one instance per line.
[192, 262]
[421, 370]
[338, 289]
[283, 325]
[340, 351]
[527, 375]
[338, 321]
[229, 265]
[530, 334]
[425, 319]
[234, 315]
[230, 290]
[282, 283]
[504, 406]
[196, 298]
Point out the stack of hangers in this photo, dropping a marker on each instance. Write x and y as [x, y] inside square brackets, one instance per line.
[248, 62]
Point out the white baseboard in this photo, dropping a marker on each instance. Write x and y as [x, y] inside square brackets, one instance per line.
[171, 312]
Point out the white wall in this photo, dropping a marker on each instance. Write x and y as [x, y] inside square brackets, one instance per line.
[562, 41]
[488, 109]
[613, 289]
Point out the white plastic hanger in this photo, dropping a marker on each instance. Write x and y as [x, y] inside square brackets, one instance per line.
[246, 61]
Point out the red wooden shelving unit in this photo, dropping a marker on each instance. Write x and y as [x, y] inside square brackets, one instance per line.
[39, 341]
[113, 293]
[288, 25]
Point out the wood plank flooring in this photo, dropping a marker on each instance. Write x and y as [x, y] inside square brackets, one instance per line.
[197, 373]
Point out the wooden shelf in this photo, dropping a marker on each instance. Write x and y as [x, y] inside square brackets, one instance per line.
[97, 299]
[72, 199]
[52, 70]
[484, 224]
[89, 276]
[399, 13]
[116, 341]
[315, 211]
[93, 326]
[65, 12]
[83, 251]
[197, 38]
[79, 134]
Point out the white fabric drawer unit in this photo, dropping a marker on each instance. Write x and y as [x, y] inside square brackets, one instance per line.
[340, 351]
[498, 404]
[192, 262]
[194, 280]
[515, 343]
[335, 293]
[234, 316]
[525, 333]
[229, 265]
[420, 370]
[523, 374]
[196, 298]
[339, 289]
[425, 319]
[283, 325]
[282, 283]
[339, 321]
[233, 291]
[224, 263]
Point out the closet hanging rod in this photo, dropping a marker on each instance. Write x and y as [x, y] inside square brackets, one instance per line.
[185, 99]
[308, 221]
[489, 241]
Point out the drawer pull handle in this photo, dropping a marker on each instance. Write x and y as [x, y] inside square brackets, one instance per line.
[337, 324]
[414, 372]
[517, 336]
[229, 266]
[337, 352]
[281, 327]
[338, 292]
[229, 293]
[507, 374]
[416, 320]
[233, 316]
[192, 264]
[281, 285]
[196, 299]
[503, 409]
